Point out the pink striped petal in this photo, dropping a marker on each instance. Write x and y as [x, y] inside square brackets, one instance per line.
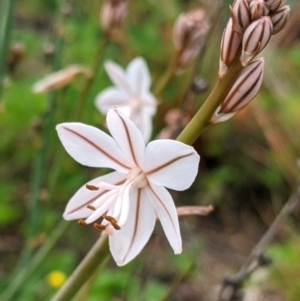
[126, 243]
[91, 147]
[127, 136]
[167, 214]
[171, 164]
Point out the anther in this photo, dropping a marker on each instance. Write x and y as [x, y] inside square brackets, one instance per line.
[91, 207]
[115, 225]
[91, 187]
[81, 222]
[112, 220]
[99, 227]
[109, 218]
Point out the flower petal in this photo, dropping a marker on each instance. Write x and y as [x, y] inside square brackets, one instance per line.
[90, 146]
[127, 243]
[110, 98]
[144, 123]
[127, 136]
[118, 77]
[167, 214]
[77, 206]
[138, 75]
[171, 164]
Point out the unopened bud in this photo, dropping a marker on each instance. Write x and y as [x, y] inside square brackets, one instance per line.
[279, 18]
[230, 45]
[255, 39]
[245, 87]
[112, 14]
[60, 79]
[188, 35]
[258, 8]
[274, 4]
[240, 16]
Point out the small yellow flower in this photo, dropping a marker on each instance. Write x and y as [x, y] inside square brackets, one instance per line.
[56, 279]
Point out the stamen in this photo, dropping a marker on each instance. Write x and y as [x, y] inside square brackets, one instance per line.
[115, 225]
[109, 218]
[91, 207]
[91, 187]
[81, 222]
[99, 227]
[112, 220]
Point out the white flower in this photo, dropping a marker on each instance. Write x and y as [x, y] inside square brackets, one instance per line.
[129, 199]
[131, 94]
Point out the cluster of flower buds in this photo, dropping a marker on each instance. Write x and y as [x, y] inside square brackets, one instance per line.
[250, 28]
[113, 14]
[189, 32]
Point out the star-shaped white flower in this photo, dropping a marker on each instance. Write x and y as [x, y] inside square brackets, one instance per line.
[128, 200]
[131, 94]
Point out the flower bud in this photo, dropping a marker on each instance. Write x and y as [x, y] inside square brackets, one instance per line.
[60, 79]
[255, 39]
[112, 14]
[240, 16]
[245, 87]
[230, 45]
[274, 4]
[188, 33]
[279, 18]
[258, 8]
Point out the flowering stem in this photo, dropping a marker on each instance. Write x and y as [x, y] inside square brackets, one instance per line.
[7, 7]
[167, 76]
[201, 120]
[90, 80]
[84, 271]
[20, 278]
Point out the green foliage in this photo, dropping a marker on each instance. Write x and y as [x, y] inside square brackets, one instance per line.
[284, 276]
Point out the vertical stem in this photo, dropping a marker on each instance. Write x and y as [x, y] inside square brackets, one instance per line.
[167, 76]
[90, 80]
[6, 8]
[38, 167]
[84, 271]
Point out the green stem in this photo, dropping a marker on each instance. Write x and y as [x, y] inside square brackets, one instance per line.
[201, 120]
[20, 278]
[7, 8]
[84, 271]
[90, 80]
[166, 77]
[38, 171]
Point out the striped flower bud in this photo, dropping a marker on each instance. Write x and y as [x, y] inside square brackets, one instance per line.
[188, 35]
[274, 4]
[112, 14]
[258, 8]
[245, 87]
[230, 45]
[240, 16]
[279, 18]
[255, 39]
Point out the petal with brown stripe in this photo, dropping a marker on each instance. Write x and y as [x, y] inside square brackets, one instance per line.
[90, 146]
[167, 214]
[171, 164]
[127, 243]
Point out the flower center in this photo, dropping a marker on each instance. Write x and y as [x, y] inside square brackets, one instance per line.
[136, 104]
[136, 178]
